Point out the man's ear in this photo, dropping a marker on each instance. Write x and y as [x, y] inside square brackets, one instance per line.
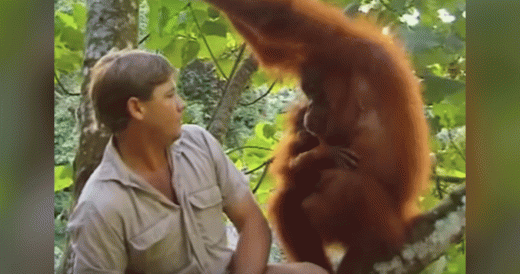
[135, 108]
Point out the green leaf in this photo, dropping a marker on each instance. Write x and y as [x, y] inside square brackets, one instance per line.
[459, 26]
[450, 115]
[155, 41]
[454, 44]
[65, 59]
[269, 130]
[200, 15]
[213, 13]
[189, 51]
[73, 38]
[173, 51]
[420, 39]
[80, 15]
[176, 6]
[423, 60]
[201, 5]
[226, 65]
[67, 19]
[163, 17]
[214, 28]
[398, 5]
[457, 99]
[217, 45]
[153, 15]
[62, 177]
[436, 88]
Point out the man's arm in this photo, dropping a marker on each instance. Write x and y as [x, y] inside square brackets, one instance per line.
[98, 247]
[254, 243]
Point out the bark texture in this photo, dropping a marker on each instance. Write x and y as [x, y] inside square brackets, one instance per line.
[219, 124]
[111, 24]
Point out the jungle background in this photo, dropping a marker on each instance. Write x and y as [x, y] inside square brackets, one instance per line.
[238, 102]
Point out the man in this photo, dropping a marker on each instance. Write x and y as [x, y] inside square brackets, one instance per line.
[155, 203]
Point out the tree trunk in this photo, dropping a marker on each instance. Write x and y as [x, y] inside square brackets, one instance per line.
[111, 24]
[220, 121]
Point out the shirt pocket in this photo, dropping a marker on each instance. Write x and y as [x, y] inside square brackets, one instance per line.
[207, 205]
[159, 248]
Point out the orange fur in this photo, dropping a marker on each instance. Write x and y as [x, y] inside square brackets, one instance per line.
[364, 101]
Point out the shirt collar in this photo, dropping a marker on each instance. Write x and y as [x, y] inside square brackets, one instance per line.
[112, 167]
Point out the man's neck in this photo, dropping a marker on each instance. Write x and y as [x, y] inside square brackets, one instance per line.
[140, 152]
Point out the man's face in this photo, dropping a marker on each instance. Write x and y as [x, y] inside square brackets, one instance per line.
[164, 111]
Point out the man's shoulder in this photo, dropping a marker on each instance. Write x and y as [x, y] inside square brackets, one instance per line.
[194, 131]
[196, 135]
[102, 194]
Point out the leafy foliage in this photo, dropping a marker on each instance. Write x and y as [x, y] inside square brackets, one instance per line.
[201, 42]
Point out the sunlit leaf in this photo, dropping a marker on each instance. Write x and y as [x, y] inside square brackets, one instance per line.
[175, 6]
[80, 15]
[67, 19]
[73, 38]
[173, 51]
[157, 42]
[216, 43]
[200, 15]
[62, 177]
[214, 28]
[450, 115]
[189, 51]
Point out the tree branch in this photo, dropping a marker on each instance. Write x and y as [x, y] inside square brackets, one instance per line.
[220, 120]
[262, 96]
[206, 43]
[432, 235]
[240, 148]
[62, 87]
[268, 163]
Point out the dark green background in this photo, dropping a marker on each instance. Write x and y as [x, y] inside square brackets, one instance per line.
[26, 144]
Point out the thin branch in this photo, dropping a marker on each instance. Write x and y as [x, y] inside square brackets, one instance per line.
[226, 88]
[62, 87]
[206, 42]
[259, 167]
[144, 39]
[235, 65]
[263, 95]
[450, 179]
[263, 175]
[438, 187]
[240, 148]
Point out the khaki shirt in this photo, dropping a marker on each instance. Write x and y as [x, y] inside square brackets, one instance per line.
[121, 223]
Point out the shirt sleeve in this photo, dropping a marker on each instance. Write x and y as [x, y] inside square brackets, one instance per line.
[98, 247]
[232, 183]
